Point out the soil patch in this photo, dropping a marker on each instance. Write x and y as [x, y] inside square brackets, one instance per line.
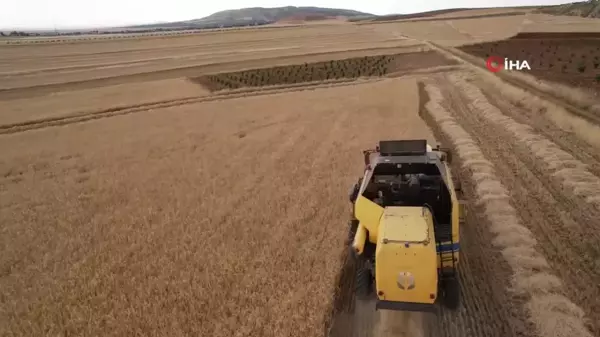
[572, 59]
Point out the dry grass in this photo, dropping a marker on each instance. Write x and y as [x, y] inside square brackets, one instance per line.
[73, 102]
[455, 32]
[578, 126]
[531, 273]
[459, 32]
[575, 96]
[490, 29]
[552, 23]
[205, 219]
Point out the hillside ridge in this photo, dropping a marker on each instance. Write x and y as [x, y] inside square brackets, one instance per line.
[586, 9]
[261, 16]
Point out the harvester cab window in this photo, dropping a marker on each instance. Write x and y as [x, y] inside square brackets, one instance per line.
[410, 185]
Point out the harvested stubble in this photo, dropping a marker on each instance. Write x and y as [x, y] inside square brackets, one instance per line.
[566, 121]
[551, 312]
[567, 170]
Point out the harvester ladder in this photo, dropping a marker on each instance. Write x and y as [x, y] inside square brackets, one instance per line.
[445, 236]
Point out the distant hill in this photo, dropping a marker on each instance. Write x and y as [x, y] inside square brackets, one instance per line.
[259, 16]
[438, 14]
[394, 17]
[586, 9]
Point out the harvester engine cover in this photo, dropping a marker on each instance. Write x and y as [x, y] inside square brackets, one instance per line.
[405, 227]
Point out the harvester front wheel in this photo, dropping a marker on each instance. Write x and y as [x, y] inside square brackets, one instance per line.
[364, 280]
[451, 293]
[457, 186]
[352, 226]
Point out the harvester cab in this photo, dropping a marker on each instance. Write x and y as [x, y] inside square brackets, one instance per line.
[404, 229]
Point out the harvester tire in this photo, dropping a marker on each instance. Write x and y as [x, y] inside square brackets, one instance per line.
[457, 186]
[352, 226]
[363, 282]
[451, 293]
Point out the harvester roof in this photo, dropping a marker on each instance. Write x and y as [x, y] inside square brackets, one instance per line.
[406, 157]
[409, 147]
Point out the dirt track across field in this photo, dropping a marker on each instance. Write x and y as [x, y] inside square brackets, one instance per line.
[136, 201]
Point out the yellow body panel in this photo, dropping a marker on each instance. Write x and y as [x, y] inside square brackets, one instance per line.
[400, 224]
[368, 214]
[406, 267]
[360, 239]
[406, 254]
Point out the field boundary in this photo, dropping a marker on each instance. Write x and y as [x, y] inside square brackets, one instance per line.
[560, 101]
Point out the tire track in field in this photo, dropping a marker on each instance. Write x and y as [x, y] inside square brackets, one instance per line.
[399, 324]
[569, 244]
[551, 312]
[483, 273]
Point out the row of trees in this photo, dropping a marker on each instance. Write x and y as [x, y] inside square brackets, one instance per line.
[148, 29]
[16, 33]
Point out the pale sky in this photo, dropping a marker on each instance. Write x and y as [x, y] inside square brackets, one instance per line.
[32, 14]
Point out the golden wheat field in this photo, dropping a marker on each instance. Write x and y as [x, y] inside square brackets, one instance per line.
[196, 185]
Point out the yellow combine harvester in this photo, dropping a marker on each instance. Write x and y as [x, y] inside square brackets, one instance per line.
[405, 227]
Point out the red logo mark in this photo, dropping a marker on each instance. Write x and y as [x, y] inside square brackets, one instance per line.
[495, 64]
